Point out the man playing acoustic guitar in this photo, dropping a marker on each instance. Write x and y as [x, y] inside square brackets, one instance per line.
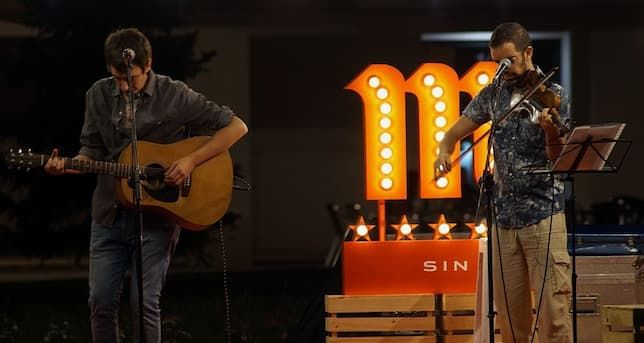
[166, 111]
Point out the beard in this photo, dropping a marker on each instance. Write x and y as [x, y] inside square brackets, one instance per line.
[516, 80]
[511, 79]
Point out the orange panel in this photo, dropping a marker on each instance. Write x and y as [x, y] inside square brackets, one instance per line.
[410, 267]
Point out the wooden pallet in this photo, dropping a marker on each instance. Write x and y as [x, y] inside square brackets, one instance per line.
[456, 319]
[622, 323]
[383, 319]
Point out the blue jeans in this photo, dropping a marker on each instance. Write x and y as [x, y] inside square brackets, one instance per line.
[111, 253]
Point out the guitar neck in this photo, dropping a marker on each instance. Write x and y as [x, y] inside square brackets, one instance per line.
[98, 167]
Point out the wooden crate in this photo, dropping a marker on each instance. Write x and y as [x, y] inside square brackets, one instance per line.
[622, 323]
[604, 280]
[385, 319]
[456, 319]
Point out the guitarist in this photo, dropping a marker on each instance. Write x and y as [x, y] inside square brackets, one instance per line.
[165, 110]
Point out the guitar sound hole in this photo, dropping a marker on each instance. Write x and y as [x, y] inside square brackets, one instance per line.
[156, 187]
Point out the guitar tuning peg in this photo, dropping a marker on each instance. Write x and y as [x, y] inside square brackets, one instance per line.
[28, 169]
[11, 150]
[20, 151]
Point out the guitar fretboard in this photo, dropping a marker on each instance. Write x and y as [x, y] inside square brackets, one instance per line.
[99, 167]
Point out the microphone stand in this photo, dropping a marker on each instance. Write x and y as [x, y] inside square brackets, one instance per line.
[135, 181]
[486, 187]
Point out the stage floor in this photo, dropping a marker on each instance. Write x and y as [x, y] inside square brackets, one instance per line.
[266, 306]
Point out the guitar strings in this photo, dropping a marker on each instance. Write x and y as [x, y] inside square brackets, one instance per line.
[150, 171]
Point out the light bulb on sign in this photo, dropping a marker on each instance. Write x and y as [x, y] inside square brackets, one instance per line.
[440, 106]
[443, 229]
[404, 229]
[480, 229]
[374, 81]
[437, 92]
[442, 182]
[385, 108]
[382, 93]
[429, 80]
[477, 231]
[439, 135]
[483, 79]
[386, 168]
[361, 230]
[440, 121]
[385, 138]
[386, 153]
[385, 123]
[386, 183]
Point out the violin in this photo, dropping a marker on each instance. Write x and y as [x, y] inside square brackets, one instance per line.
[542, 98]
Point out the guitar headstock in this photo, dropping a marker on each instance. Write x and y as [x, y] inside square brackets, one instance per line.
[23, 159]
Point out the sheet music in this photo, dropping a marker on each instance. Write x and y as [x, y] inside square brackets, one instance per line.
[602, 138]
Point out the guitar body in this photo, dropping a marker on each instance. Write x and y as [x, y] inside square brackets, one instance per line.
[195, 206]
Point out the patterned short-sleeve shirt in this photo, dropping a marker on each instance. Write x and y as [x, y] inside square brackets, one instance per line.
[520, 198]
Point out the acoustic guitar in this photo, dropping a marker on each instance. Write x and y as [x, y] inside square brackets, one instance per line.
[200, 201]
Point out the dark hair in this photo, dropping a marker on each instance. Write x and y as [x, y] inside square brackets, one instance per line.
[510, 33]
[122, 39]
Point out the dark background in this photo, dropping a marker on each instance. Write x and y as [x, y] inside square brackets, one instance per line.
[282, 65]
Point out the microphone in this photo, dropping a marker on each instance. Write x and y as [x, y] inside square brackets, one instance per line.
[504, 64]
[128, 55]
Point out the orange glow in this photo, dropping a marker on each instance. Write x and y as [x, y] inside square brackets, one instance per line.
[438, 226]
[438, 98]
[361, 230]
[471, 84]
[477, 231]
[381, 88]
[404, 229]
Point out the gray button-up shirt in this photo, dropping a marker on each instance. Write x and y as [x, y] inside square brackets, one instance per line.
[166, 111]
[520, 198]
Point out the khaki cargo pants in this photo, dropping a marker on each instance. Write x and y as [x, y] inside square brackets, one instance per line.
[523, 257]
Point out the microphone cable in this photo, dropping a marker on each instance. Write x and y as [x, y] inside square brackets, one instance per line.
[224, 260]
[545, 269]
[246, 185]
[505, 292]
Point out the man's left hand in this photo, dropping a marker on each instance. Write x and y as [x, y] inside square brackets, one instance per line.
[546, 121]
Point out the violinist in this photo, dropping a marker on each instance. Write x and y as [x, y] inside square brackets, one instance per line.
[529, 234]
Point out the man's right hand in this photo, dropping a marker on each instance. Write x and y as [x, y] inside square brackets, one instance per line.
[463, 127]
[443, 164]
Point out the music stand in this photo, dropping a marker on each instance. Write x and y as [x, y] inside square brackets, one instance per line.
[587, 150]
